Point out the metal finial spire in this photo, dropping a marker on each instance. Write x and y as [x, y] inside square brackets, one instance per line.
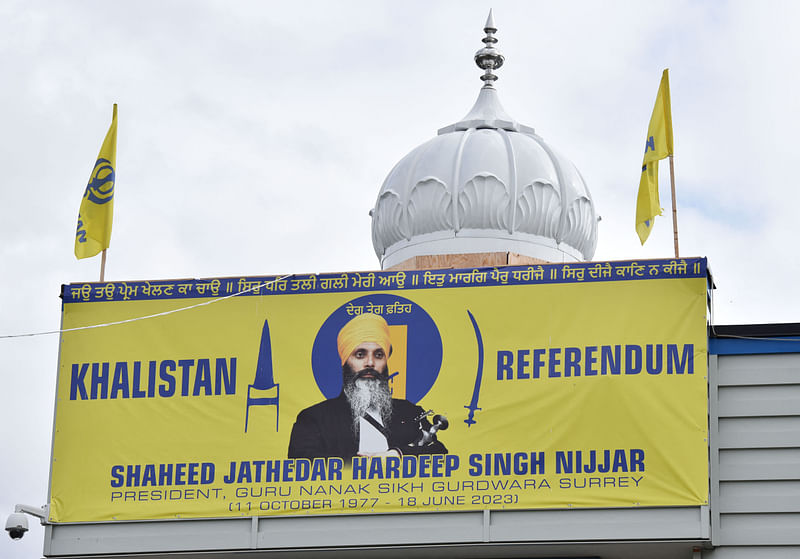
[489, 58]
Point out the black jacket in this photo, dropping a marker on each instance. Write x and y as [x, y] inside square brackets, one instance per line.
[325, 430]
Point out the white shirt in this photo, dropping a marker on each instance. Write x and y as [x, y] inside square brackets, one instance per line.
[371, 440]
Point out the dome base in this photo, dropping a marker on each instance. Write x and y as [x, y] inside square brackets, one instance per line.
[476, 260]
[481, 242]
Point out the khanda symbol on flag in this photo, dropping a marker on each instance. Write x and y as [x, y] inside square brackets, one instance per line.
[657, 146]
[96, 213]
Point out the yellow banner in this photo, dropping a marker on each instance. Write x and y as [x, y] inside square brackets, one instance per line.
[511, 388]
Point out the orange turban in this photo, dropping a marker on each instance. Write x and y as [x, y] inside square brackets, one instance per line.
[365, 327]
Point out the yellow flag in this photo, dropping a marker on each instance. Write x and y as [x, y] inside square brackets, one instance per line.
[97, 207]
[657, 146]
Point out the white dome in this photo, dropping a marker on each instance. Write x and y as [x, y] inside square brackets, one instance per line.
[484, 184]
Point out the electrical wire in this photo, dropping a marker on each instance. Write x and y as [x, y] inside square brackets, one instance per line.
[138, 318]
[712, 326]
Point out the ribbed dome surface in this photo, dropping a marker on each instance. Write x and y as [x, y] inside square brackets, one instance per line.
[484, 184]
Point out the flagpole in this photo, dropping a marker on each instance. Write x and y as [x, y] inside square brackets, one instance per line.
[103, 260]
[674, 206]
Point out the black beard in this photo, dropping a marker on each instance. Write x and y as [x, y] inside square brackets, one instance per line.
[349, 376]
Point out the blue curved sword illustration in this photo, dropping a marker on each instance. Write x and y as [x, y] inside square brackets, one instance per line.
[476, 392]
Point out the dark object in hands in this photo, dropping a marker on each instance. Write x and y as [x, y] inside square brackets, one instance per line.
[428, 435]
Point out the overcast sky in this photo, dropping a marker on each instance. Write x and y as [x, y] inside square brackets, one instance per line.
[254, 137]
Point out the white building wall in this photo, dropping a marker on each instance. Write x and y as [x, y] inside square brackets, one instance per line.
[755, 455]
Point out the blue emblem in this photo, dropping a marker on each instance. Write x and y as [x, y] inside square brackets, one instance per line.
[100, 189]
[424, 345]
[80, 234]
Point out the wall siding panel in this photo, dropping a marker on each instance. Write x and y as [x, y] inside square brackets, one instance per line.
[756, 448]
